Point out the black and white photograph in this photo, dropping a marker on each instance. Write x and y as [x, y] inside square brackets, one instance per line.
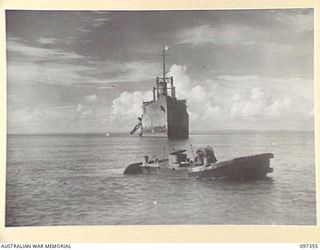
[160, 117]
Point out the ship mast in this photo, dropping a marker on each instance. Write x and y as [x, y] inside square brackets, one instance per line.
[162, 88]
[165, 48]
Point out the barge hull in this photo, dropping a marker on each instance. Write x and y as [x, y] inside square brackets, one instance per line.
[249, 167]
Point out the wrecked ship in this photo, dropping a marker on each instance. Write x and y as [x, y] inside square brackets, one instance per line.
[165, 115]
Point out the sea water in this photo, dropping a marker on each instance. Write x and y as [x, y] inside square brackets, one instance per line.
[78, 180]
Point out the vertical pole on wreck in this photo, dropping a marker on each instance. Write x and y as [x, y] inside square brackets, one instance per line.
[164, 62]
[192, 151]
[157, 89]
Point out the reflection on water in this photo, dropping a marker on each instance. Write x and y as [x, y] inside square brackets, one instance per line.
[78, 180]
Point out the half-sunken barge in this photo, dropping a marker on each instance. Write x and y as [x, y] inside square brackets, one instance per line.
[205, 165]
[165, 115]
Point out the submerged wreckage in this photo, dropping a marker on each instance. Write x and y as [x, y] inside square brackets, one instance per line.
[205, 165]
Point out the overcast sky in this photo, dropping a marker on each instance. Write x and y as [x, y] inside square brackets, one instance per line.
[89, 71]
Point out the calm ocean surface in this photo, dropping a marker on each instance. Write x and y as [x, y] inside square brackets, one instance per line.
[78, 180]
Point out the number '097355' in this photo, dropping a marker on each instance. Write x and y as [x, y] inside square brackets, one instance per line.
[308, 246]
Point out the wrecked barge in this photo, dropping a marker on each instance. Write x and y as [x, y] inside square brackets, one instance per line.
[205, 165]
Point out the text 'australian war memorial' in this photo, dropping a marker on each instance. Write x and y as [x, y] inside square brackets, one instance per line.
[165, 115]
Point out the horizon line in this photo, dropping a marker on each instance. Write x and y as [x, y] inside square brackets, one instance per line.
[191, 132]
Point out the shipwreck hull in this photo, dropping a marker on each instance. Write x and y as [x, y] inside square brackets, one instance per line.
[166, 117]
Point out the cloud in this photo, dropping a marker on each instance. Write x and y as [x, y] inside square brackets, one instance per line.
[82, 29]
[200, 97]
[40, 119]
[91, 98]
[100, 21]
[89, 109]
[83, 112]
[252, 105]
[132, 71]
[28, 73]
[182, 81]
[56, 119]
[101, 12]
[37, 53]
[98, 24]
[128, 105]
[79, 108]
[86, 114]
[246, 101]
[43, 40]
[302, 20]
[285, 27]
[126, 108]
[106, 87]
[279, 107]
[105, 19]
[93, 22]
[222, 34]
[231, 102]
[31, 65]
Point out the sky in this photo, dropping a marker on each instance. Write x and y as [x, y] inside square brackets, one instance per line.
[89, 71]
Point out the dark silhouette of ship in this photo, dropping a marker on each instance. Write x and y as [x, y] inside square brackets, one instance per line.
[204, 165]
[165, 115]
